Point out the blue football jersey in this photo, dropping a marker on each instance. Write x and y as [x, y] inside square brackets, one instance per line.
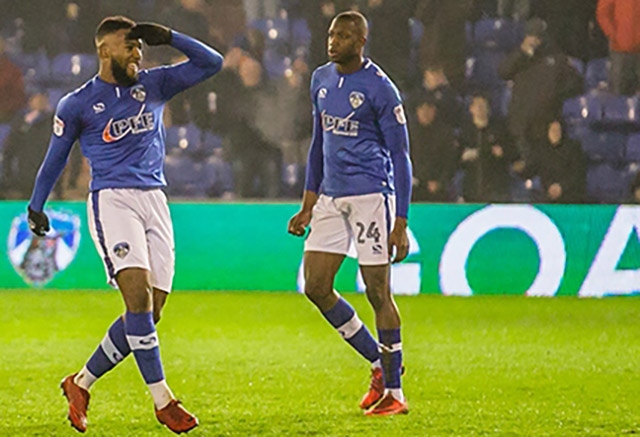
[119, 128]
[360, 135]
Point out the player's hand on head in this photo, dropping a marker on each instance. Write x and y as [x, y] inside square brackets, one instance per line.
[398, 241]
[38, 222]
[298, 223]
[151, 33]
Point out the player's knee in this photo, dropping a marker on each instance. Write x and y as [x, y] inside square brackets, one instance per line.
[317, 291]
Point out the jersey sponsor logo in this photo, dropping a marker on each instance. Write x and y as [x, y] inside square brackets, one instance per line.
[356, 99]
[139, 93]
[118, 129]
[399, 112]
[322, 93]
[98, 107]
[121, 249]
[58, 126]
[340, 126]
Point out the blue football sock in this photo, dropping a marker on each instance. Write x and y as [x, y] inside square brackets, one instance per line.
[391, 347]
[143, 341]
[344, 318]
[113, 349]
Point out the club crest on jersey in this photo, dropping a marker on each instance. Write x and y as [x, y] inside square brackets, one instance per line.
[322, 93]
[356, 99]
[58, 126]
[139, 93]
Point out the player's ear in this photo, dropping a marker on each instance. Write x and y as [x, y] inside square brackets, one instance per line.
[103, 51]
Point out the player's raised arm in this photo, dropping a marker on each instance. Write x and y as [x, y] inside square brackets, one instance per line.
[203, 62]
[65, 133]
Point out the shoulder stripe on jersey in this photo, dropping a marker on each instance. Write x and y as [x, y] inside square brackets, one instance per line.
[95, 200]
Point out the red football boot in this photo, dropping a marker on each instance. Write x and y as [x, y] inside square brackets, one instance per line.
[388, 406]
[376, 390]
[78, 399]
[176, 418]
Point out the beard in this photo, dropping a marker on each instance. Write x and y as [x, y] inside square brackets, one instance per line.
[120, 74]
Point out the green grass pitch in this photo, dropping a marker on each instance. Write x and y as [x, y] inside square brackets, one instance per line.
[267, 364]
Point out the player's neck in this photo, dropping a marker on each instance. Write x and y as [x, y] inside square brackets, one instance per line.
[350, 67]
[106, 75]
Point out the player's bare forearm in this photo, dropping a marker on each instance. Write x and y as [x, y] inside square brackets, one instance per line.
[309, 199]
[298, 223]
[398, 240]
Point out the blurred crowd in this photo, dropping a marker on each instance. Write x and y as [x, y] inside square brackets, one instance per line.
[508, 100]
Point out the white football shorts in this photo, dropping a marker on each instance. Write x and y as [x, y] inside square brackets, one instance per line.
[132, 228]
[363, 222]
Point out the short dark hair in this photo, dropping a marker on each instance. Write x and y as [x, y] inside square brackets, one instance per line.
[113, 24]
[358, 20]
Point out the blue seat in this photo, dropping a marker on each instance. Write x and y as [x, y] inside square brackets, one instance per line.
[632, 151]
[597, 73]
[606, 184]
[417, 29]
[218, 175]
[495, 34]
[604, 146]
[275, 63]
[482, 69]
[55, 94]
[185, 137]
[500, 100]
[300, 33]
[73, 68]
[275, 30]
[211, 142]
[620, 111]
[5, 129]
[35, 67]
[185, 177]
[589, 107]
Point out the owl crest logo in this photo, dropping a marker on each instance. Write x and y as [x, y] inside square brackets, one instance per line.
[356, 99]
[139, 93]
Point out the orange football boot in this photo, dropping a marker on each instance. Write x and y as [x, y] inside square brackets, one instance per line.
[78, 399]
[176, 418]
[388, 406]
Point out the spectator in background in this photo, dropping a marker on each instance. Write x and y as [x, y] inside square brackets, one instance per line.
[286, 120]
[318, 14]
[12, 94]
[517, 10]
[444, 40]
[256, 9]
[542, 79]
[571, 25]
[23, 152]
[487, 154]
[390, 44]
[433, 152]
[256, 162]
[561, 165]
[227, 20]
[188, 16]
[437, 86]
[620, 22]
